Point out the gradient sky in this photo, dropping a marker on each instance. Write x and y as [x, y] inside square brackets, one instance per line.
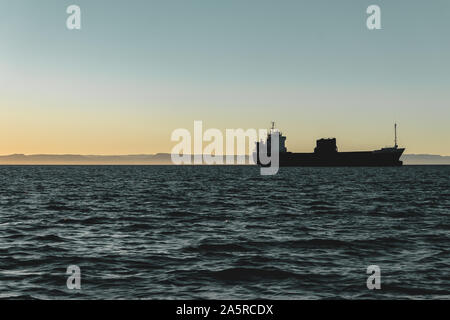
[140, 69]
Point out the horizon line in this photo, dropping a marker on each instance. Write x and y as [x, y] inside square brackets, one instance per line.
[165, 153]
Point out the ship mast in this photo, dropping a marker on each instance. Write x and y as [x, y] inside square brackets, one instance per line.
[395, 129]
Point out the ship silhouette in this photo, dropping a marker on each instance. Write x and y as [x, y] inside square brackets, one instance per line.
[326, 154]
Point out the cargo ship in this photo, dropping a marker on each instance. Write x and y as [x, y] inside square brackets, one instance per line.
[326, 154]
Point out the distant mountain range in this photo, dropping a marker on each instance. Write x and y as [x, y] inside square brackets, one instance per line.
[160, 159]
[412, 159]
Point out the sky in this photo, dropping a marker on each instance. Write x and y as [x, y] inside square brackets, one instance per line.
[138, 70]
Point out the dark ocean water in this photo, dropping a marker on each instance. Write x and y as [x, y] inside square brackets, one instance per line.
[149, 232]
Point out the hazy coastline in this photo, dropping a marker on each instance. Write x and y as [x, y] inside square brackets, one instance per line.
[160, 159]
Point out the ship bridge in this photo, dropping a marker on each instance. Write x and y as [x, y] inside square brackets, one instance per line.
[267, 145]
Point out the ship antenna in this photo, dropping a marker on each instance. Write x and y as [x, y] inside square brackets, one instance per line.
[395, 129]
[273, 125]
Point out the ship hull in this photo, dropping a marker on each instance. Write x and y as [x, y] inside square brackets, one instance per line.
[378, 158]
